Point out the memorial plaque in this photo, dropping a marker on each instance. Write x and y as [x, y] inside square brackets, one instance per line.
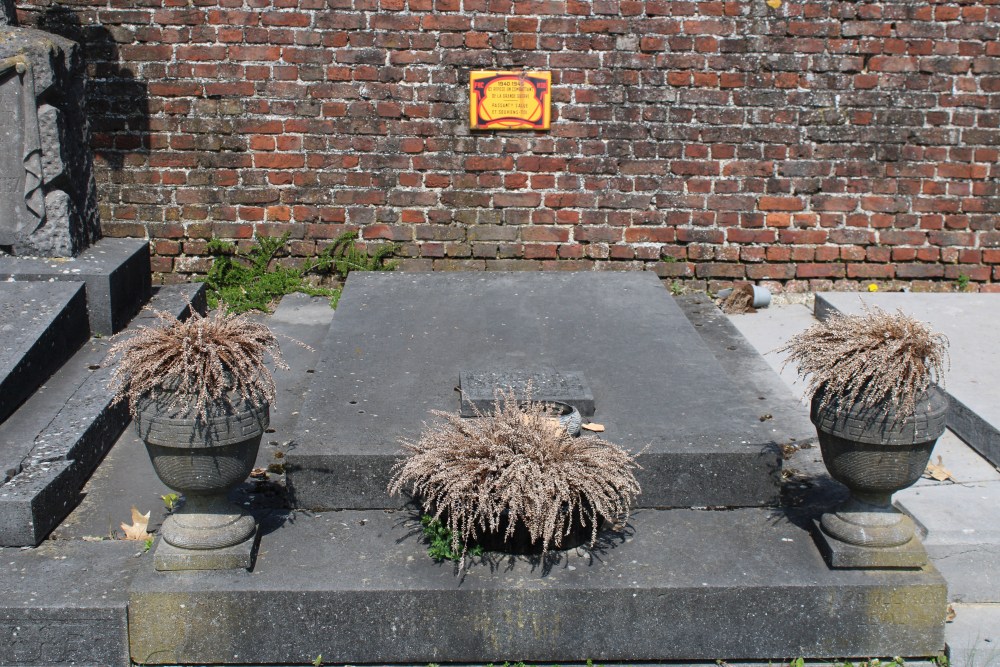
[510, 100]
[479, 388]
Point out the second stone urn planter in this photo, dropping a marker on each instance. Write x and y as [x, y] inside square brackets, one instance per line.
[878, 411]
[874, 453]
[203, 458]
[200, 394]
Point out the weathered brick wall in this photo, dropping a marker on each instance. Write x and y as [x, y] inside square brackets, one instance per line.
[823, 144]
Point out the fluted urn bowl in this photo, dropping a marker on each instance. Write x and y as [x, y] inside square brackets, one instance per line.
[203, 457]
[875, 452]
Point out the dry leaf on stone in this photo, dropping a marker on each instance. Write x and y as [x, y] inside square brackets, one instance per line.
[950, 616]
[937, 471]
[773, 4]
[137, 531]
[596, 428]
[258, 473]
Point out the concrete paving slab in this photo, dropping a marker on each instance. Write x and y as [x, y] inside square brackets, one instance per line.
[964, 463]
[971, 322]
[961, 531]
[974, 635]
[399, 342]
[769, 329]
[358, 586]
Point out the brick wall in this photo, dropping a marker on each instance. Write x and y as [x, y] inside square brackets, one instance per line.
[823, 144]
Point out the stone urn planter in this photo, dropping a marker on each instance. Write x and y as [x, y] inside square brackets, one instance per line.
[515, 479]
[200, 394]
[878, 412]
[875, 452]
[203, 458]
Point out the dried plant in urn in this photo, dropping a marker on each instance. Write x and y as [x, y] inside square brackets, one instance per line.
[200, 392]
[516, 477]
[878, 411]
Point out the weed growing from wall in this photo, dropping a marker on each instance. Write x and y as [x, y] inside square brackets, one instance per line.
[254, 280]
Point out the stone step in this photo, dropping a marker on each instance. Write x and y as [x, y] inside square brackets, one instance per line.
[115, 272]
[685, 585]
[58, 436]
[43, 324]
[400, 342]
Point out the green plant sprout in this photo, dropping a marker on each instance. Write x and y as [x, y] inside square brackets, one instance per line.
[170, 501]
[251, 280]
[962, 282]
[440, 542]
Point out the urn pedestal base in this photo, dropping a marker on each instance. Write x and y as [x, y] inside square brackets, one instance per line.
[168, 558]
[842, 555]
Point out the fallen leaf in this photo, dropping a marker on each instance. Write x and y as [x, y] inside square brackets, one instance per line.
[596, 428]
[950, 616]
[773, 4]
[258, 473]
[938, 472]
[137, 531]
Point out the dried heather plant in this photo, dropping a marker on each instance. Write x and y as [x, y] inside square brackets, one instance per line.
[512, 465]
[871, 358]
[198, 361]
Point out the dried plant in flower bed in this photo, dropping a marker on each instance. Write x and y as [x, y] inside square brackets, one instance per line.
[199, 360]
[517, 464]
[874, 358]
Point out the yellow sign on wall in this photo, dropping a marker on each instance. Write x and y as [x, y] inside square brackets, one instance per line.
[510, 100]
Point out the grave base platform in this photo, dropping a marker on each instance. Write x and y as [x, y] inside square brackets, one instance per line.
[674, 585]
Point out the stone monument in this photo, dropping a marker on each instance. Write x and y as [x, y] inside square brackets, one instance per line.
[49, 222]
[48, 200]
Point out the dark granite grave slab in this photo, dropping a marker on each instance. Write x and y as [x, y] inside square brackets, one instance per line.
[41, 325]
[399, 342]
[116, 273]
[479, 387]
[65, 603]
[358, 587]
[59, 435]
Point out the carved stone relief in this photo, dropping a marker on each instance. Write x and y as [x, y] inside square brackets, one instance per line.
[22, 202]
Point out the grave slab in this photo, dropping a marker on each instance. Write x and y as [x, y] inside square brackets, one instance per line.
[115, 271]
[969, 321]
[399, 342]
[358, 587]
[753, 372]
[59, 435]
[65, 603]
[41, 325]
[478, 389]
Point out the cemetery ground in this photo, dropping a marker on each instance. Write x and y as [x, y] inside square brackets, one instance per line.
[84, 593]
